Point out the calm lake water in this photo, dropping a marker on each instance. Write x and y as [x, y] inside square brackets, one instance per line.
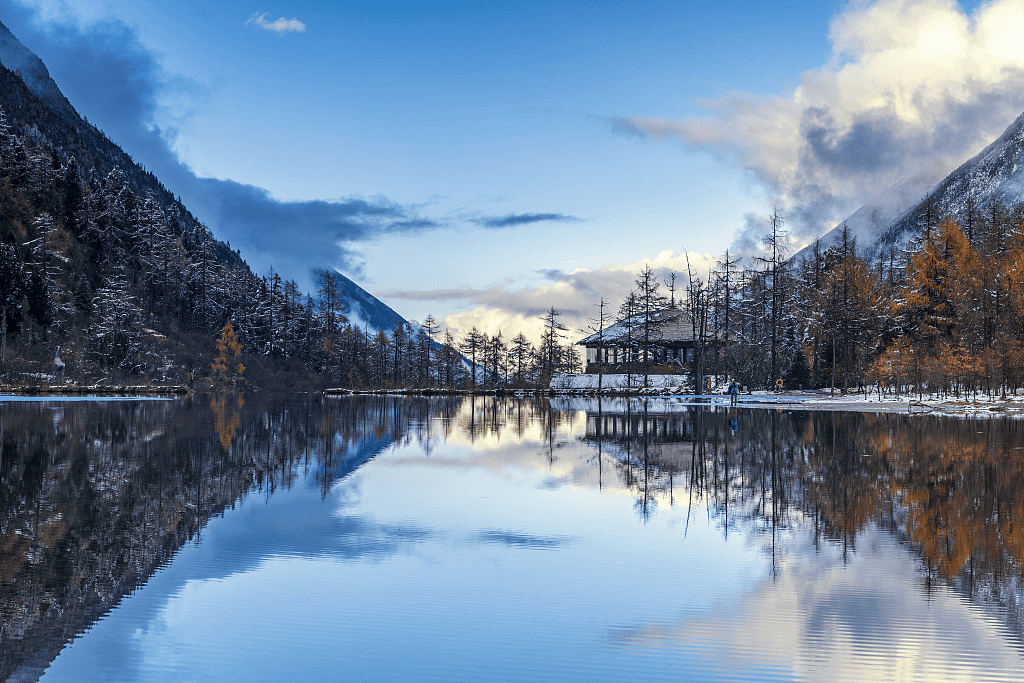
[273, 538]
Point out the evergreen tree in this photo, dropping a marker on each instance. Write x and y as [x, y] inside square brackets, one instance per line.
[473, 345]
[11, 293]
[550, 350]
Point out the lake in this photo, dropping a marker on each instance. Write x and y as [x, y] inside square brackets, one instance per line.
[271, 538]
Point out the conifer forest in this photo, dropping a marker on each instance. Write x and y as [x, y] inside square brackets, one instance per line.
[106, 277]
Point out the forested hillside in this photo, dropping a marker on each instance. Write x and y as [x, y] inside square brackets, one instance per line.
[104, 275]
[945, 314]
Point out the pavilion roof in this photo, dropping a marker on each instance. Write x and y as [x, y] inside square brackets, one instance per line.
[670, 325]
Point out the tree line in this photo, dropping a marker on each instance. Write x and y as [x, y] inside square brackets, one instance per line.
[100, 282]
[943, 314]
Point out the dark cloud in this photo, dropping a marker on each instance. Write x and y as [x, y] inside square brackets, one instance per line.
[514, 220]
[293, 236]
[116, 82]
[629, 127]
[553, 274]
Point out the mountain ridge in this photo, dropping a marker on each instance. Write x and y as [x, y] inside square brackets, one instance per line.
[58, 124]
[893, 219]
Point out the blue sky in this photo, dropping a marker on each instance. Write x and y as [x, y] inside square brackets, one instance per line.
[482, 161]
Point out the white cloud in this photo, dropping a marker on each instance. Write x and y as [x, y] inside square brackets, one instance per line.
[912, 89]
[280, 25]
[575, 294]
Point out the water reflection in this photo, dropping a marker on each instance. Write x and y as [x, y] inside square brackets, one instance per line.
[97, 496]
[944, 487]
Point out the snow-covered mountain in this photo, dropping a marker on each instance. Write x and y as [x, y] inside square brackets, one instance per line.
[364, 310]
[868, 223]
[54, 121]
[893, 218]
[33, 72]
[994, 174]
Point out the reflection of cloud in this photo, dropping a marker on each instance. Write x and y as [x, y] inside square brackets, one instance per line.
[828, 618]
[279, 26]
[575, 294]
[521, 540]
[912, 88]
[501, 447]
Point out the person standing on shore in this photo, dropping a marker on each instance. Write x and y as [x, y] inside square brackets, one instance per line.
[734, 393]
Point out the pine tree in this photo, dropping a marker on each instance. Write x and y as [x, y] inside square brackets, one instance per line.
[473, 344]
[520, 355]
[11, 293]
[116, 330]
[428, 331]
[550, 350]
[650, 304]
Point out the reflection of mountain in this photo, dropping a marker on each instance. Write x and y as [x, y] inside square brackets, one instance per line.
[358, 454]
[96, 496]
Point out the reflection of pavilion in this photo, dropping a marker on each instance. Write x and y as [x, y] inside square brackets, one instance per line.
[660, 427]
[665, 439]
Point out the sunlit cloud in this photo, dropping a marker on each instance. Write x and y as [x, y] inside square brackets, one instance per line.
[279, 26]
[912, 89]
[575, 294]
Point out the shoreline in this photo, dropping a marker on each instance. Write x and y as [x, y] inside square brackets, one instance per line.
[1011, 406]
[996, 406]
[94, 390]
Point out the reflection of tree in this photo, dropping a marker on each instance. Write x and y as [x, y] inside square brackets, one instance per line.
[947, 487]
[94, 496]
[227, 420]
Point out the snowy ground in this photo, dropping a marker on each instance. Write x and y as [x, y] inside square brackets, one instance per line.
[677, 387]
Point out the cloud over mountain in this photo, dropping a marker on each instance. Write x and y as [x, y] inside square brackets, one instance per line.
[119, 84]
[911, 89]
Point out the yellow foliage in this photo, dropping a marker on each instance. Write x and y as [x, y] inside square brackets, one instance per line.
[227, 344]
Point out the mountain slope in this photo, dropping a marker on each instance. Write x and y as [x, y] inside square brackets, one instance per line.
[994, 174]
[106, 276]
[868, 223]
[19, 59]
[893, 219]
[34, 105]
[364, 309]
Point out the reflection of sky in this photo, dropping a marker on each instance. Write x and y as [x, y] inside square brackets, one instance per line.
[497, 564]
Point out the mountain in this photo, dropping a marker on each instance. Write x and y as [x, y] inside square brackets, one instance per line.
[58, 125]
[868, 223]
[996, 174]
[22, 61]
[364, 309]
[105, 275]
[35, 106]
[891, 220]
